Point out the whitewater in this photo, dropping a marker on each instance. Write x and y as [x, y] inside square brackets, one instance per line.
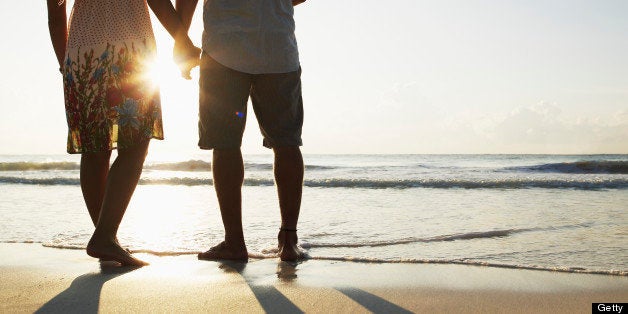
[550, 212]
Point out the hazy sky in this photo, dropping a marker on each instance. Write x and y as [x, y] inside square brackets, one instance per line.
[405, 76]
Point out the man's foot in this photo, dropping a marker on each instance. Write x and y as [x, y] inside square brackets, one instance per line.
[112, 252]
[223, 251]
[289, 250]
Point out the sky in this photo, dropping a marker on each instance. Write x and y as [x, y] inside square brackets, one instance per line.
[384, 77]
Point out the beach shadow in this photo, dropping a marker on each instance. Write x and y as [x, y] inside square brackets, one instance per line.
[271, 299]
[372, 302]
[83, 294]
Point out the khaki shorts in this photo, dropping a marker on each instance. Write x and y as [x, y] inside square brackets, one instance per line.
[224, 92]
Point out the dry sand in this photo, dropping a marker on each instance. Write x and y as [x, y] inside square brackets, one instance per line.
[38, 279]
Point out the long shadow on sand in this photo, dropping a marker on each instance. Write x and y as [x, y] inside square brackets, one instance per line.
[372, 302]
[271, 299]
[83, 294]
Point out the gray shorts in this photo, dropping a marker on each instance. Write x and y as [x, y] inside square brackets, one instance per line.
[223, 97]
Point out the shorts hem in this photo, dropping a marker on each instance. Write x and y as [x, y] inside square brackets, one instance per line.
[219, 147]
[269, 145]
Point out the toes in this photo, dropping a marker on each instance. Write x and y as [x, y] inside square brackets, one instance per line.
[114, 253]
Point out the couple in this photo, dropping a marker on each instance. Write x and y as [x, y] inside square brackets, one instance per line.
[249, 49]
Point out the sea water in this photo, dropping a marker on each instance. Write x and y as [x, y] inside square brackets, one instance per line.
[558, 212]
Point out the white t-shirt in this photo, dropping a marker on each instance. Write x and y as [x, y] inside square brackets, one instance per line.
[251, 36]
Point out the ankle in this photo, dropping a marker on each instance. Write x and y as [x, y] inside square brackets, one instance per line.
[237, 244]
[287, 236]
[101, 238]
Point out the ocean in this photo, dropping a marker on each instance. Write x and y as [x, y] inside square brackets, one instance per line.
[549, 212]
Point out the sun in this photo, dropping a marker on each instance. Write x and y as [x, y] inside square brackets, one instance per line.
[161, 71]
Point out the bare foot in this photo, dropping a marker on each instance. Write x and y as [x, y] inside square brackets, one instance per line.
[223, 251]
[112, 252]
[107, 260]
[289, 250]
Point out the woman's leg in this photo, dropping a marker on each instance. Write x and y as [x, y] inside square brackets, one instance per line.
[121, 182]
[94, 171]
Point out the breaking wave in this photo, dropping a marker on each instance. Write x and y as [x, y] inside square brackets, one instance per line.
[189, 165]
[34, 166]
[578, 167]
[509, 183]
[441, 238]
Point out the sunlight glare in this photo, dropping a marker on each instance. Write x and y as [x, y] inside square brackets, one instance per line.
[162, 71]
[154, 218]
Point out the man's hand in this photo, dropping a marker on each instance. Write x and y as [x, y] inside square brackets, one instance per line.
[187, 56]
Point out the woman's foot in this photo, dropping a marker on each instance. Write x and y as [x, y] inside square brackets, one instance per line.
[223, 251]
[112, 251]
[289, 250]
[106, 260]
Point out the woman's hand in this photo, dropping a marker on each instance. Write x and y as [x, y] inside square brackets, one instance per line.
[57, 26]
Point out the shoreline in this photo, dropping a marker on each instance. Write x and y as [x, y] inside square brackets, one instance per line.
[257, 256]
[33, 277]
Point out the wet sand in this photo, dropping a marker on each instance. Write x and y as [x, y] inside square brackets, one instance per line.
[34, 278]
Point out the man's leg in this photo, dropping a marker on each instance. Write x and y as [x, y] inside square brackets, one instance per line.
[289, 179]
[228, 172]
[278, 106]
[223, 95]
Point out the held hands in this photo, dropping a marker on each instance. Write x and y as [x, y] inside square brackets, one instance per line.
[186, 56]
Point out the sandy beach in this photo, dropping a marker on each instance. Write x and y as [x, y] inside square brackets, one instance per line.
[38, 279]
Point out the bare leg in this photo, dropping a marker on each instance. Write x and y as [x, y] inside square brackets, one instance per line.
[94, 171]
[289, 179]
[228, 172]
[121, 182]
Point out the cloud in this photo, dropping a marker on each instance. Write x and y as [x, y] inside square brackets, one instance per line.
[407, 118]
[542, 128]
[412, 123]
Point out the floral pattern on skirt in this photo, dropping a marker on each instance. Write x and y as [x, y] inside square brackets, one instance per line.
[110, 101]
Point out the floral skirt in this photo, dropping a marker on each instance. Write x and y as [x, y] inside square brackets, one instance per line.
[110, 102]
